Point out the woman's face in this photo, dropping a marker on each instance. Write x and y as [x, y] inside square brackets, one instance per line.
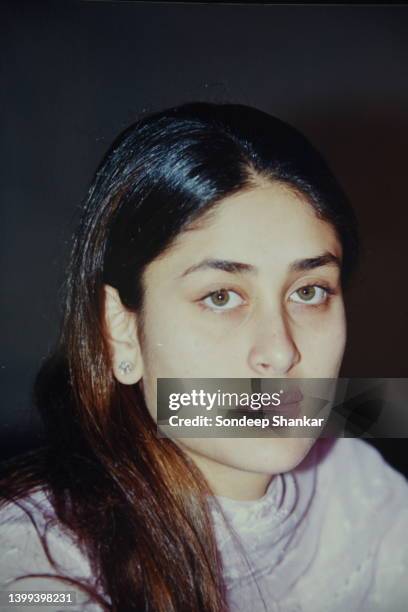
[228, 300]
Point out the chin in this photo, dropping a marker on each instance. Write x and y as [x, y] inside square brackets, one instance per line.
[271, 456]
[295, 452]
[279, 456]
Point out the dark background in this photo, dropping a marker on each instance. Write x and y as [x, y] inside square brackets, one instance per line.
[74, 74]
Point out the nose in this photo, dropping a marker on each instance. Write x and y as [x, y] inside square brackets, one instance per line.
[273, 351]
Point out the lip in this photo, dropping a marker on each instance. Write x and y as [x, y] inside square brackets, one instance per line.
[288, 410]
[289, 405]
[293, 396]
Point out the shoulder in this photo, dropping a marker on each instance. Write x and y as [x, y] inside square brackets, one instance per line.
[365, 520]
[33, 542]
[355, 466]
[358, 486]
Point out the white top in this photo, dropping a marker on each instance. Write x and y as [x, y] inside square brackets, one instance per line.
[329, 536]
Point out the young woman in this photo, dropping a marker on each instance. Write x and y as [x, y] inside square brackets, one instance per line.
[214, 242]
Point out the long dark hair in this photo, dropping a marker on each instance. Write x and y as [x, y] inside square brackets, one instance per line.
[135, 501]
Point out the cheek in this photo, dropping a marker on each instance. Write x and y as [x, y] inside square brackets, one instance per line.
[180, 347]
[323, 344]
[170, 352]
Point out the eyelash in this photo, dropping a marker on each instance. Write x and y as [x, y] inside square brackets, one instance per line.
[326, 288]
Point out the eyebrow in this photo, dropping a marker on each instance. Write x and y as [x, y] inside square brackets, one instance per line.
[236, 267]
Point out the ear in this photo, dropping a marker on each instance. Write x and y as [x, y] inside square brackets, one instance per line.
[121, 326]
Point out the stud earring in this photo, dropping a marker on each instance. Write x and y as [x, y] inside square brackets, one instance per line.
[125, 367]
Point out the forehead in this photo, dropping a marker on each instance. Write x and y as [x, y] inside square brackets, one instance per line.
[268, 226]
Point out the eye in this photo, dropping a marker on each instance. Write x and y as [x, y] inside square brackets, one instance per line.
[310, 294]
[222, 299]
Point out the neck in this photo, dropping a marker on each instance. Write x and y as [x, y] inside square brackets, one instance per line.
[231, 482]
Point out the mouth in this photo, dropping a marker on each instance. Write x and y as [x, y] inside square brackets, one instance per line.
[288, 410]
[293, 396]
[289, 405]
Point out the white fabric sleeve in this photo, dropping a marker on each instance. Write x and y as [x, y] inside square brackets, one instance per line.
[22, 553]
[390, 586]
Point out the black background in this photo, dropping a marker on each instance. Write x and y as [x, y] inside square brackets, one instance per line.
[74, 74]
